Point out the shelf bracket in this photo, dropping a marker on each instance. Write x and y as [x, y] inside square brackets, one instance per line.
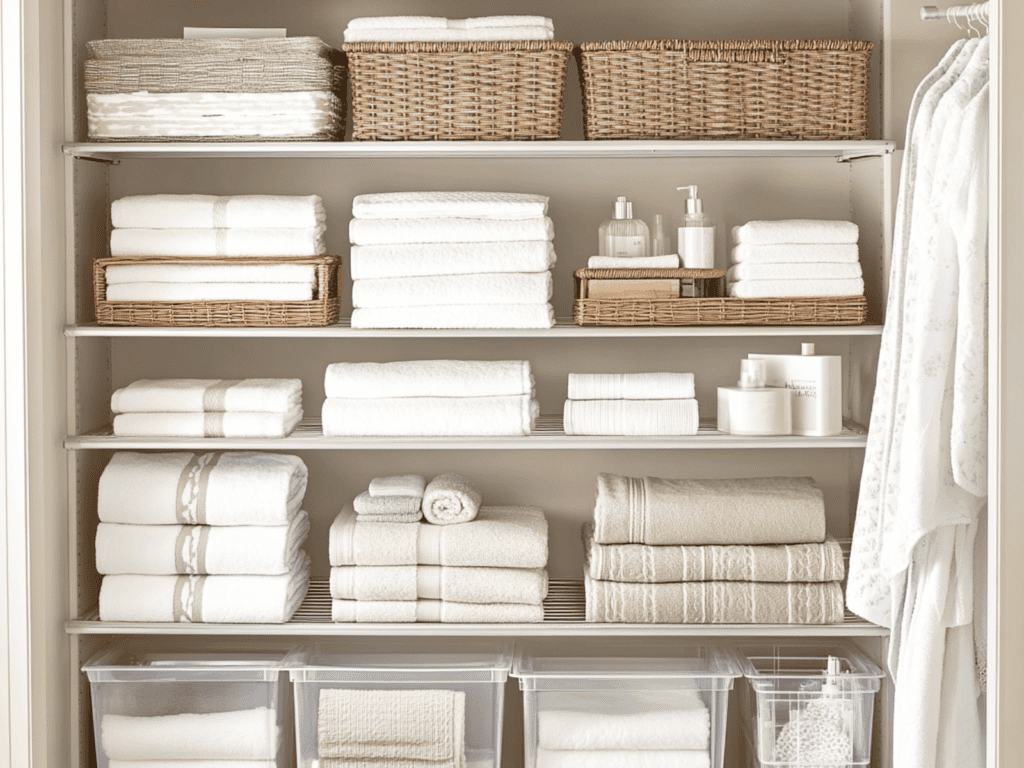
[849, 157]
[103, 160]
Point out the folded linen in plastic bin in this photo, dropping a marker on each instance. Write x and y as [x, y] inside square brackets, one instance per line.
[421, 259]
[510, 415]
[199, 395]
[430, 205]
[528, 586]
[209, 424]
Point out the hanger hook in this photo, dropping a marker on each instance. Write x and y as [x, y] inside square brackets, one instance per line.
[951, 17]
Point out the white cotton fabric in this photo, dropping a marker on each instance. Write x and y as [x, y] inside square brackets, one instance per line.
[210, 273]
[158, 292]
[813, 231]
[251, 734]
[213, 212]
[430, 35]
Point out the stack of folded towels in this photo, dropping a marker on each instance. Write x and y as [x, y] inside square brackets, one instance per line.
[738, 551]
[795, 258]
[207, 408]
[451, 260]
[404, 29]
[630, 404]
[212, 537]
[429, 398]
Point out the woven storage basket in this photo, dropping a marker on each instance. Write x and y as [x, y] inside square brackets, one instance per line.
[486, 91]
[825, 310]
[729, 89]
[324, 309]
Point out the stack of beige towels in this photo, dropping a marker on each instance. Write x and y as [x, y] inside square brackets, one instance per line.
[438, 29]
[736, 551]
[631, 404]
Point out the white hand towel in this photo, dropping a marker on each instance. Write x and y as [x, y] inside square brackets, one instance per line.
[398, 485]
[365, 504]
[801, 253]
[237, 550]
[501, 288]
[630, 417]
[213, 212]
[434, 611]
[192, 764]
[630, 758]
[528, 586]
[199, 395]
[795, 231]
[448, 230]
[631, 386]
[766, 289]
[510, 415]
[459, 316]
[210, 292]
[429, 378]
[794, 271]
[430, 205]
[500, 537]
[210, 424]
[420, 259]
[440, 22]
[223, 488]
[451, 498]
[218, 242]
[210, 273]
[669, 261]
[473, 34]
[249, 734]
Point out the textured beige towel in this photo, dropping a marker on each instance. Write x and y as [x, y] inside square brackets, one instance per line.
[759, 510]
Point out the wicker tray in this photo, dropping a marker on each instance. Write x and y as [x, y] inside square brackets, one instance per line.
[487, 91]
[324, 309]
[730, 89]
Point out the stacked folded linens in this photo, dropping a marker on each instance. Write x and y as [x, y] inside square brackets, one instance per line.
[403, 29]
[631, 404]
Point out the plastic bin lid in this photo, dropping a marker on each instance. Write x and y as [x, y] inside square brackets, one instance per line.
[125, 663]
[681, 662]
[803, 661]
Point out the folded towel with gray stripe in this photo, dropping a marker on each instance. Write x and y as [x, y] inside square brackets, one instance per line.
[214, 212]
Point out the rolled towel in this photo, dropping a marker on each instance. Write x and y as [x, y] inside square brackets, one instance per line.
[205, 599]
[440, 22]
[509, 415]
[795, 231]
[668, 261]
[623, 758]
[767, 289]
[630, 417]
[249, 734]
[434, 611]
[429, 378]
[223, 488]
[457, 316]
[473, 34]
[218, 242]
[631, 386]
[211, 424]
[444, 290]
[190, 272]
[200, 549]
[213, 212]
[794, 271]
[789, 253]
[756, 510]
[398, 485]
[210, 292]
[366, 504]
[451, 498]
[431, 205]
[448, 230]
[192, 764]
[411, 517]
[500, 537]
[434, 582]
[421, 259]
[199, 395]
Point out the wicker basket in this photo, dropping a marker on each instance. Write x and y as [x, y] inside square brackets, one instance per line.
[730, 89]
[824, 310]
[486, 91]
[324, 309]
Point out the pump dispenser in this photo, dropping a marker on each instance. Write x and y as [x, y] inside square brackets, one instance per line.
[624, 236]
[697, 234]
[751, 408]
[816, 382]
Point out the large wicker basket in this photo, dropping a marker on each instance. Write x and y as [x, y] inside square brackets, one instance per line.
[729, 89]
[479, 91]
[324, 309]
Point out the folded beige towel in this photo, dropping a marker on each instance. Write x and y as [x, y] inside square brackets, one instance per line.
[434, 582]
[365, 504]
[450, 498]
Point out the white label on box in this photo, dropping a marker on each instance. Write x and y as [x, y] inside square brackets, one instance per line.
[626, 245]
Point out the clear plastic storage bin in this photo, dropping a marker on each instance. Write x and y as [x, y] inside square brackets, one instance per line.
[400, 700]
[809, 705]
[189, 707]
[606, 709]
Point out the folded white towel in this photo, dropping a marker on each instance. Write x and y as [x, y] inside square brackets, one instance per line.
[401, 506]
[218, 242]
[762, 289]
[435, 611]
[794, 271]
[222, 488]
[627, 758]
[440, 22]
[413, 517]
[457, 316]
[669, 261]
[631, 386]
[630, 417]
[210, 273]
[528, 586]
[474, 34]
[210, 292]
[795, 231]
[451, 498]
[210, 424]
[429, 378]
[199, 395]
[250, 734]
[443, 290]
[429, 416]
[239, 550]
[800, 253]
[430, 205]
[448, 230]
[420, 259]
[192, 764]
[213, 212]
[398, 485]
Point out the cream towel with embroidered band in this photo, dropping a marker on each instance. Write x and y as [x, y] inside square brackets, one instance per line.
[209, 424]
[200, 395]
[430, 205]
[433, 611]
[434, 582]
[249, 734]
[631, 386]
[429, 378]
[213, 212]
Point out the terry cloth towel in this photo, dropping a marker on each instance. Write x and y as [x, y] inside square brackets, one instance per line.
[528, 586]
[512, 415]
[210, 424]
[451, 498]
[210, 273]
[644, 563]
[398, 485]
[248, 734]
[500, 537]
[222, 488]
[457, 316]
[802, 253]
[630, 417]
[209, 599]
[631, 386]
[616, 758]
[448, 230]
[198, 395]
[367, 504]
[192, 764]
[429, 378]
[431, 205]
[213, 212]
[668, 261]
[794, 271]
[765, 289]
[434, 611]
[440, 22]
[757, 510]
[813, 231]
[444, 290]
[448, 35]
[210, 292]
[421, 259]
[218, 242]
[200, 549]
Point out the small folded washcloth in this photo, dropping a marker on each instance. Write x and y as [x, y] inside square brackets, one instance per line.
[765, 289]
[429, 378]
[528, 586]
[213, 212]
[434, 611]
[254, 242]
[668, 261]
[448, 230]
[631, 386]
[510, 415]
[200, 395]
[799, 253]
[794, 271]
[449, 499]
[367, 504]
[444, 290]
[210, 424]
[422, 259]
[630, 417]
[210, 273]
[468, 205]
[440, 22]
[210, 292]
[623, 758]
[398, 485]
[474, 34]
[457, 316]
[795, 231]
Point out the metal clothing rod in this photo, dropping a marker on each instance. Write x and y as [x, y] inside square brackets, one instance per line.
[977, 12]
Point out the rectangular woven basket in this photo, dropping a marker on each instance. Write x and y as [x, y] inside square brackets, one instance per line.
[324, 309]
[727, 89]
[473, 91]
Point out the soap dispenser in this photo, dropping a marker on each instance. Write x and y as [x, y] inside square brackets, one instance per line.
[697, 234]
[624, 236]
[817, 385]
[751, 408]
